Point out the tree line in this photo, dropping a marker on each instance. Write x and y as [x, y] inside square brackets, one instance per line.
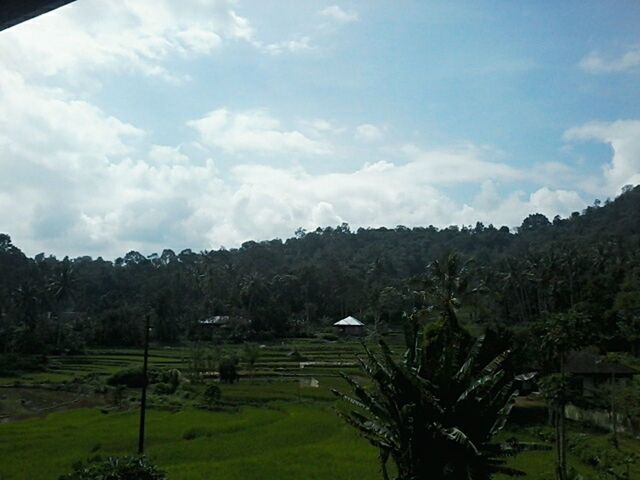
[588, 262]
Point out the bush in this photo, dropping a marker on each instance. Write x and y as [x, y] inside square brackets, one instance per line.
[196, 432]
[118, 395]
[190, 434]
[330, 337]
[115, 468]
[228, 370]
[212, 395]
[163, 389]
[131, 377]
[173, 378]
[13, 364]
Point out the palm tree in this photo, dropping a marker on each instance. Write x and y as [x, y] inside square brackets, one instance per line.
[62, 290]
[560, 334]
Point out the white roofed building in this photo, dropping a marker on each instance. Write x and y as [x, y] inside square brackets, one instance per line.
[350, 326]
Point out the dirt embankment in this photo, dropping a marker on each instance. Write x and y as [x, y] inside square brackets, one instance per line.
[18, 403]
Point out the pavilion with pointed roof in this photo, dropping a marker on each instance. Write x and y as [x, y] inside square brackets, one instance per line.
[350, 326]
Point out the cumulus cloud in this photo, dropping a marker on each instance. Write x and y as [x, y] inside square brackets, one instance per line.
[296, 45]
[165, 155]
[339, 15]
[320, 127]
[595, 63]
[49, 126]
[120, 35]
[381, 194]
[121, 193]
[253, 131]
[457, 165]
[76, 179]
[510, 209]
[624, 138]
[369, 133]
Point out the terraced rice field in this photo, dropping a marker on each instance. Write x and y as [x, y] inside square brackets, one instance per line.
[278, 422]
[291, 431]
[313, 358]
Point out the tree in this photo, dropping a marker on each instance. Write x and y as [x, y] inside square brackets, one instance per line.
[436, 412]
[251, 353]
[228, 370]
[535, 221]
[435, 429]
[62, 288]
[560, 333]
[627, 309]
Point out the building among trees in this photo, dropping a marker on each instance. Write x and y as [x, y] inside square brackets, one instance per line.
[350, 326]
[590, 371]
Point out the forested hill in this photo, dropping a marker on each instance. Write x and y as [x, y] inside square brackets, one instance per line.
[589, 261]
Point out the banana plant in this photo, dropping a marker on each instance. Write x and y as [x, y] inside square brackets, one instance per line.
[432, 421]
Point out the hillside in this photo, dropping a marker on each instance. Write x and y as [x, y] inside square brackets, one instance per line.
[588, 260]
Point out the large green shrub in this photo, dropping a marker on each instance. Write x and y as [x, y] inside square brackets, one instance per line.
[228, 370]
[133, 378]
[130, 377]
[212, 395]
[14, 364]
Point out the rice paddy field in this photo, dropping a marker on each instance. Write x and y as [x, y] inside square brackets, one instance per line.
[278, 422]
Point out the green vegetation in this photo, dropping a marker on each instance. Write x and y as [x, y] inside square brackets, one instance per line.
[248, 394]
[115, 468]
[271, 425]
[423, 411]
[275, 289]
[284, 441]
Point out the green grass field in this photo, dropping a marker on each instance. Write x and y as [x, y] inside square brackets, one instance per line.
[279, 442]
[275, 426]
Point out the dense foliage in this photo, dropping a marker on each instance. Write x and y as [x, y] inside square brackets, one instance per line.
[589, 262]
[437, 412]
[116, 468]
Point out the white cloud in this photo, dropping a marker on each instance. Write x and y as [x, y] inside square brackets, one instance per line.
[339, 15]
[464, 164]
[253, 131]
[489, 206]
[596, 63]
[165, 155]
[369, 133]
[381, 194]
[320, 127]
[77, 180]
[296, 45]
[624, 138]
[106, 191]
[120, 35]
[552, 202]
[50, 126]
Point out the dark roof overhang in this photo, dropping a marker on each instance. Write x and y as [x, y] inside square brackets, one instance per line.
[13, 12]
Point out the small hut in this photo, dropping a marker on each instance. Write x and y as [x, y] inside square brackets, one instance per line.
[590, 371]
[350, 326]
[210, 323]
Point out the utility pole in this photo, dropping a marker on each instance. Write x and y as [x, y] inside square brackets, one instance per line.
[145, 381]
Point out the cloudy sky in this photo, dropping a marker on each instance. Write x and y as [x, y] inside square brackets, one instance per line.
[150, 124]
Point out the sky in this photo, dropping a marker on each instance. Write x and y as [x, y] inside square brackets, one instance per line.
[151, 124]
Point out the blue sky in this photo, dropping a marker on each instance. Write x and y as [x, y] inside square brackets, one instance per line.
[161, 124]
